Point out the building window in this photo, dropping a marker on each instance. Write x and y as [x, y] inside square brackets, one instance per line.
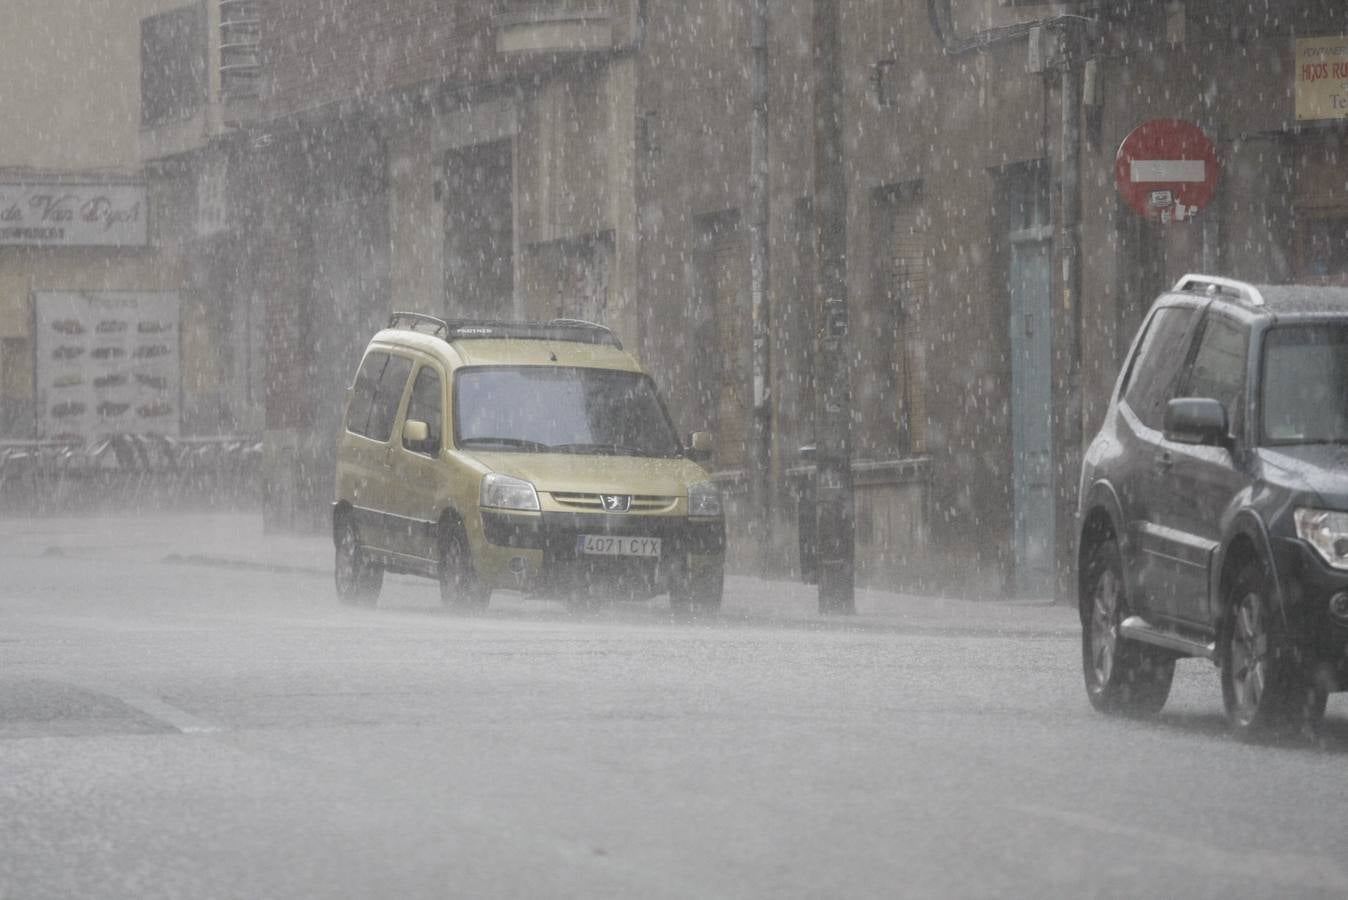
[890, 383]
[883, 89]
[172, 65]
[1323, 251]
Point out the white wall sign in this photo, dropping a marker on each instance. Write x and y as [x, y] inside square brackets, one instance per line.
[107, 363]
[62, 214]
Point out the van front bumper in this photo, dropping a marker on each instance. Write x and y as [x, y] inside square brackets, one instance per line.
[540, 550]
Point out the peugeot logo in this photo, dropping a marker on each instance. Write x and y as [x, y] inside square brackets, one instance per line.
[616, 502]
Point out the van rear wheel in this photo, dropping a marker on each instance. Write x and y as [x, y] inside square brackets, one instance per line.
[357, 579]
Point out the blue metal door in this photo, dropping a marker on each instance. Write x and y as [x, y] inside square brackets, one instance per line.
[1032, 411]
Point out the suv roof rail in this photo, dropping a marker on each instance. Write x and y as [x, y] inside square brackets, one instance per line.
[468, 329]
[1213, 286]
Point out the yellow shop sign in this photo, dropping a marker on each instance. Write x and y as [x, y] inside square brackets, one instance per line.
[1322, 78]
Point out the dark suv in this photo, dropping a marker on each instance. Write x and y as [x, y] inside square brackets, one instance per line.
[1214, 506]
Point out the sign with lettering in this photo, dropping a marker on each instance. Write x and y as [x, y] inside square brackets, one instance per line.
[107, 363]
[1322, 78]
[1167, 170]
[65, 214]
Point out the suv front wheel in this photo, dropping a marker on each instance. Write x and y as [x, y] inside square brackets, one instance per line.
[1122, 676]
[1262, 686]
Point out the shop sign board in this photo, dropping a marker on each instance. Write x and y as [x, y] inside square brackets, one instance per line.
[66, 214]
[1322, 78]
[107, 362]
[1167, 170]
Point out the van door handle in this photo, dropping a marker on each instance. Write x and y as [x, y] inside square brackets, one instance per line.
[1164, 460]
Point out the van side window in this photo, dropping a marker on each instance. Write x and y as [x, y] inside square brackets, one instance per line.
[426, 403]
[387, 397]
[363, 393]
[1154, 377]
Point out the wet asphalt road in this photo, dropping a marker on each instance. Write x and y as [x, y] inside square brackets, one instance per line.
[182, 731]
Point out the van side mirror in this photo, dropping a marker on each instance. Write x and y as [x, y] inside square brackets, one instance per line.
[699, 446]
[417, 437]
[1197, 420]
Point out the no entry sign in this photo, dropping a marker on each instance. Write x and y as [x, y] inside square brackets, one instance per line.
[1167, 170]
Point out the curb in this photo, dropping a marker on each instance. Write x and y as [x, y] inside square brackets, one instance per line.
[225, 562]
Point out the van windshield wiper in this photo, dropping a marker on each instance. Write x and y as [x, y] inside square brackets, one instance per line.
[512, 443]
[601, 449]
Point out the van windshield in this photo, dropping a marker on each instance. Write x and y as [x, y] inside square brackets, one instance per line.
[1305, 396]
[556, 409]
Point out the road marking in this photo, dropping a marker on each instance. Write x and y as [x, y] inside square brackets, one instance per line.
[152, 706]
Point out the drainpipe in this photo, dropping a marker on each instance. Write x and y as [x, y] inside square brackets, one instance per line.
[1069, 240]
[833, 455]
[761, 415]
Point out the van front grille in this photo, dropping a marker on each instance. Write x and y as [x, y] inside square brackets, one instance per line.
[641, 503]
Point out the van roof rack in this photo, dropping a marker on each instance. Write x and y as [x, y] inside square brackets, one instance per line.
[1213, 286]
[450, 330]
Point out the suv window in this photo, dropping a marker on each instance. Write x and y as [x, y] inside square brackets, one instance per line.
[1219, 367]
[425, 403]
[561, 410]
[1305, 368]
[375, 396]
[1155, 372]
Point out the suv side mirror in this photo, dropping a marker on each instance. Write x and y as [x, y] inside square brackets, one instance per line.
[417, 437]
[1196, 420]
[699, 446]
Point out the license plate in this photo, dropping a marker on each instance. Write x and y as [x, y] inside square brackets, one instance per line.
[618, 545]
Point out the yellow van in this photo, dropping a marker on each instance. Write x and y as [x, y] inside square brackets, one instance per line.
[532, 456]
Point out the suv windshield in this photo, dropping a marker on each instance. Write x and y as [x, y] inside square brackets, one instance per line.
[1305, 380]
[556, 409]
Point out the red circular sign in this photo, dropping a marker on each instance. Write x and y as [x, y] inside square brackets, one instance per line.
[1167, 170]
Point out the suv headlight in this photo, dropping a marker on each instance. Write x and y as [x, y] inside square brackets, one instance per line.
[704, 499]
[504, 492]
[1327, 532]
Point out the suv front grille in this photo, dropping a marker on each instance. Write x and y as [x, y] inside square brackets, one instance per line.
[641, 503]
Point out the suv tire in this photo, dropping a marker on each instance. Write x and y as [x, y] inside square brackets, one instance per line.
[460, 587]
[1123, 677]
[358, 580]
[1263, 689]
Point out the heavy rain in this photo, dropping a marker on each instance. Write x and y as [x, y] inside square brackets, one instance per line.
[714, 448]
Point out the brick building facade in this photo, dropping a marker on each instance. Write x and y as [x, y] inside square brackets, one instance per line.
[590, 158]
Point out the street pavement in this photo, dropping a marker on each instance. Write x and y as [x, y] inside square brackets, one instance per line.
[239, 540]
[187, 712]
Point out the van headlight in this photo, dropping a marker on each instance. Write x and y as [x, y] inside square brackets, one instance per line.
[704, 499]
[1327, 532]
[505, 492]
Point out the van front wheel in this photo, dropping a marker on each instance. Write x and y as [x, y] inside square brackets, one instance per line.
[460, 587]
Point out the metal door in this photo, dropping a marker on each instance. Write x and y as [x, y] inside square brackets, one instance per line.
[1032, 412]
